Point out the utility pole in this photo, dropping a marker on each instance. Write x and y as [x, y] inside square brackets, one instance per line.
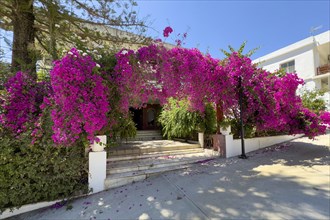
[240, 93]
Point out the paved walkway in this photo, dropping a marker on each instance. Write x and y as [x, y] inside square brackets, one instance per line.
[288, 181]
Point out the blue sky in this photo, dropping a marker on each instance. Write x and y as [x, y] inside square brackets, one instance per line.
[212, 25]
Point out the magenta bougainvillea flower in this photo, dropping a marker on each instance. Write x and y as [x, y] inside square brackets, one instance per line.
[22, 103]
[167, 31]
[270, 102]
[80, 100]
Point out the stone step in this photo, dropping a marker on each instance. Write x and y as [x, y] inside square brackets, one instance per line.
[148, 132]
[155, 154]
[126, 174]
[120, 167]
[127, 169]
[137, 160]
[145, 138]
[113, 181]
[144, 135]
[129, 150]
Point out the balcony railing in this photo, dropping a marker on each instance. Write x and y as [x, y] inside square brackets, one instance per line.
[323, 69]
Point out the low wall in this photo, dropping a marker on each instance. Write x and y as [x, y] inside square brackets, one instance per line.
[233, 146]
[26, 208]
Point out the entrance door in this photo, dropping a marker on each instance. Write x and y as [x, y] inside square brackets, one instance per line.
[146, 118]
[137, 118]
[151, 118]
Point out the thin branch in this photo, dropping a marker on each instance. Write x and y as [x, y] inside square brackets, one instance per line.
[41, 43]
[89, 10]
[5, 14]
[41, 28]
[81, 20]
[4, 4]
[6, 26]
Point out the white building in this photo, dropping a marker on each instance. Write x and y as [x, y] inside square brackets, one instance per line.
[309, 58]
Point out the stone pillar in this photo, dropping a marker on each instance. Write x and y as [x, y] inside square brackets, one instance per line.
[229, 139]
[201, 139]
[97, 165]
[97, 170]
[219, 144]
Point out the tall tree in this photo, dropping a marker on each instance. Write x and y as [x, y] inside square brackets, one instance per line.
[17, 16]
[56, 24]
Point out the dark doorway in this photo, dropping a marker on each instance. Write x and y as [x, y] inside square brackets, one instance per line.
[137, 117]
[146, 118]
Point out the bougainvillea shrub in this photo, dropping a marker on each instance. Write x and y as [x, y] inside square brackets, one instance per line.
[21, 105]
[269, 101]
[87, 97]
[80, 98]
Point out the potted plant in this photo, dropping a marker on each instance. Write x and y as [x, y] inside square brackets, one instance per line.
[99, 144]
[207, 124]
[225, 126]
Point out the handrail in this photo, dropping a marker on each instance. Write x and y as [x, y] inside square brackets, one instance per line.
[323, 69]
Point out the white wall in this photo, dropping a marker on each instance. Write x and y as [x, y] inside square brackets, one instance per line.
[303, 57]
[326, 97]
[233, 146]
[308, 54]
[26, 208]
[305, 64]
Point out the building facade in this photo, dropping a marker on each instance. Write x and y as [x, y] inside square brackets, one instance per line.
[309, 58]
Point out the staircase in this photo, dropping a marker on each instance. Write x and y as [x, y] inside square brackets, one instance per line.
[147, 135]
[130, 164]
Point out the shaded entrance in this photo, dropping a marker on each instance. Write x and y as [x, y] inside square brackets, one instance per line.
[146, 118]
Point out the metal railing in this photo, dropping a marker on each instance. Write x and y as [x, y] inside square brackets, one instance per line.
[323, 69]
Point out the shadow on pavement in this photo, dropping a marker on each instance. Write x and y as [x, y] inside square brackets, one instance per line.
[286, 181]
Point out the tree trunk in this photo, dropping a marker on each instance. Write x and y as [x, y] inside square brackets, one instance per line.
[220, 116]
[52, 12]
[23, 54]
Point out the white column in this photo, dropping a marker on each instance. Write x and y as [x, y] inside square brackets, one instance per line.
[201, 139]
[229, 141]
[97, 170]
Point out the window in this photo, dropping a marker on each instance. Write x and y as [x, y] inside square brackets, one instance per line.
[288, 67]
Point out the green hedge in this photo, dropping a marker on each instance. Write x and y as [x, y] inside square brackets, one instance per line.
[39, 172]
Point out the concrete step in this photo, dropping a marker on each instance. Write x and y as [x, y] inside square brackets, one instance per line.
[148, 132]
[121, 173]
[145, 135]
[137, 160]
[149, 135]
[131, 150]
[155, 154]
[146, 138]
[113, 181]
[119, 167]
